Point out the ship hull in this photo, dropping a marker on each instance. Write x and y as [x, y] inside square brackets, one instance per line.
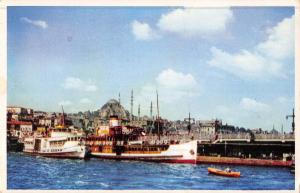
[69, 155]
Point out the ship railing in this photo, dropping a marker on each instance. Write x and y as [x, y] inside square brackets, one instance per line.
[179, 137]
[289, 136]
[274, 136]
[235, 136]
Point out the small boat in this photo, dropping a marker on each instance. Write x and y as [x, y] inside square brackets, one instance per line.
[223, 173]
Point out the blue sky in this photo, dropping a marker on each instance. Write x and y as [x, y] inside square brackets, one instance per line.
[236, 64]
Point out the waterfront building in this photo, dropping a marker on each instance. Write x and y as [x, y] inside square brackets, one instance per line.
[39, 114]
[20, 113]
[209, 127]
[17, 110]
[19, 129]
[46, 122]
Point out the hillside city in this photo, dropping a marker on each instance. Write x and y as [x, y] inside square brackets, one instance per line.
[22, 121]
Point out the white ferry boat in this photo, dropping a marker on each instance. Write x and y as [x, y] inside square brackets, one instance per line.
[60, 142]
[170, 153]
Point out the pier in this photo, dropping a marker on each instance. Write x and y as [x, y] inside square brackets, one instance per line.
[242, 161]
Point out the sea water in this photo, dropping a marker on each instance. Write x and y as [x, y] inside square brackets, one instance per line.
[34, 172]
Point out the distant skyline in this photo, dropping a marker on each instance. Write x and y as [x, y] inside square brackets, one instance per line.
[235, 64]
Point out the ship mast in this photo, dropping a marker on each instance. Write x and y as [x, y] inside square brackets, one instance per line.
[63, 116]
[189, 125]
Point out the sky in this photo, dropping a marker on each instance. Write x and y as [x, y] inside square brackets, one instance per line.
[234, 64]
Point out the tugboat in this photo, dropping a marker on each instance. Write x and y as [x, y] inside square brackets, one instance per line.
[127, 143]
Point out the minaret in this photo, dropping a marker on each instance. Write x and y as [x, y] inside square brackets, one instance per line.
[119, 99]
[131, 106]
[151, 111]
[139, 111]
[157, 104]
[158, 122]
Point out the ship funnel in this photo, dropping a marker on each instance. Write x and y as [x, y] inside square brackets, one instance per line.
[113, 121]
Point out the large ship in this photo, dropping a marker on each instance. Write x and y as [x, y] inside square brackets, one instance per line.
[59, 142]
[128, 143]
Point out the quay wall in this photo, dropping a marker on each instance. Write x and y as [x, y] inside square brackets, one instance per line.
[242, 161]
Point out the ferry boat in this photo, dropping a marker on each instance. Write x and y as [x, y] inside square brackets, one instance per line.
[128, 143]
[60, 142]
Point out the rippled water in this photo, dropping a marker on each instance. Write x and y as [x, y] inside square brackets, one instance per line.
[30, 172]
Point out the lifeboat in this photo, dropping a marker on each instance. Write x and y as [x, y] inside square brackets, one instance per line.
[223, 173]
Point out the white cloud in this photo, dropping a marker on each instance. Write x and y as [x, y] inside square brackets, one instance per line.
[172, 87]
[284, 99]
[266, 58]
[65, 103]
[85, 101]
[78, 84]
[142, 31]
[253, 105]
[247, 112]
[280, 41]
[38, 23]
[176, 80]
[187, 22]
[195, 22]
[244, 64]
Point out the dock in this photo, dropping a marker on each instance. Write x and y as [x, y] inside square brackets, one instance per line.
[242, 161]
